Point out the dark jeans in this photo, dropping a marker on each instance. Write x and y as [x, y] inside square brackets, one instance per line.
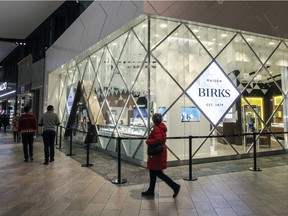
[27, 140]
[49, 139]
[159, 173]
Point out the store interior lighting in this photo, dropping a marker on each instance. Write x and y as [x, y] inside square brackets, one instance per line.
[17, 42]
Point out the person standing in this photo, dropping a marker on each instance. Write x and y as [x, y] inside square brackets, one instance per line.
[49, 120]
[27, 126]
[5, 122]
[157, 163]
[15, 127]
[250, 121]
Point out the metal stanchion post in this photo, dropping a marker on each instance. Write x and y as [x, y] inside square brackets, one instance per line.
[254, 155]
[190, 162]
[71, 134]
[88, 148]
[119, 180]
[60, 138]
[56, 141]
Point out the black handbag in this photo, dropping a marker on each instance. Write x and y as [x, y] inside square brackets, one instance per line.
[155, 149]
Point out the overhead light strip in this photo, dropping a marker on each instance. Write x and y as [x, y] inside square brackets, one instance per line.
[8, 93]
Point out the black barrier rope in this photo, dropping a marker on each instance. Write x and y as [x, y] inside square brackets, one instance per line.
[255, 168]
[71, 134]
[119, 180]
[88, 150]
[190, 161]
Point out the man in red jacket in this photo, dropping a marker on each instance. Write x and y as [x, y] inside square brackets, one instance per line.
[28, 127]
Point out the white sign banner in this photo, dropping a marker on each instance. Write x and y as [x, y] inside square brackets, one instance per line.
[70, 100]
[213, 93]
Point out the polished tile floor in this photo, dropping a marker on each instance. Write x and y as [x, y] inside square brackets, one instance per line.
[64, 187]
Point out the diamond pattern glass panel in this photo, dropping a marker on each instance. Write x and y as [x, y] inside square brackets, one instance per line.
[160, 29]
[257, 43]
[131, 60]
[105, 70]
[81, 68]
[88, 78]
[213, 39]
[141, 32]
[182, 56]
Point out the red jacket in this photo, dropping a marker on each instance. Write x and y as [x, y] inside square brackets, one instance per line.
[158, 135]
[27, 123]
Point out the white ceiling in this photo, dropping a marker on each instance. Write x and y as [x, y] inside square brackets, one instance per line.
[18, 19]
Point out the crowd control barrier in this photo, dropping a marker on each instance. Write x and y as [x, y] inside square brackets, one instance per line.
[120, 180]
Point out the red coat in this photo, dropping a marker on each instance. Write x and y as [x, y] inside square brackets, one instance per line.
[158, 134]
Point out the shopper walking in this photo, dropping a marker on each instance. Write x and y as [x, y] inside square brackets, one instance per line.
[49, 120]
[27, 127]
[5, 122]
[15, 127]
[157, 163]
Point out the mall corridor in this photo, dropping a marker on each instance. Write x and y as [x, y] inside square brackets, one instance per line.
[64, 187]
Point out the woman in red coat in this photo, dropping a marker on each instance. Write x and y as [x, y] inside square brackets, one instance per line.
[157, 163]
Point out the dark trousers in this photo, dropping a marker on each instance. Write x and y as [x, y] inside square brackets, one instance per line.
[27, 140]
[49, 139]
[159, 173]
[16, 136]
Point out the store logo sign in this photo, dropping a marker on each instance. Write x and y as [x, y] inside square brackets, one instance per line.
[213, 93]
[3, 86]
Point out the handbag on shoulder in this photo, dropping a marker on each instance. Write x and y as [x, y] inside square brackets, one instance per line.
[155, 149]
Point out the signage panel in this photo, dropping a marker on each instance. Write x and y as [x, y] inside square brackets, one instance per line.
[213, 93]
[3, 86]
[70, 100]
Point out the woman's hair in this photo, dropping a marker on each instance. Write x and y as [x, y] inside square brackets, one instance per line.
[157, 118]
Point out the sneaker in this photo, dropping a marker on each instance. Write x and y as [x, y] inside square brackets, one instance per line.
[176, 191]
[26, 160]
[31, 159]
[147, 194]
[51, 160]
[46, 163]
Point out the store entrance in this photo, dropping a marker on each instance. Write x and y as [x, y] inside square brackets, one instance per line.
[252, 114]
[250, 119]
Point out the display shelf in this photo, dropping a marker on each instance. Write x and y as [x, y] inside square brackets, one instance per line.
[123, 129]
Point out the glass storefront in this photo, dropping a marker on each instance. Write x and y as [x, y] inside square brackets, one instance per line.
[149, 67]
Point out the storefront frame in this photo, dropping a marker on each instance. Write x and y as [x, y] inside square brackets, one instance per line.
[188, 128]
